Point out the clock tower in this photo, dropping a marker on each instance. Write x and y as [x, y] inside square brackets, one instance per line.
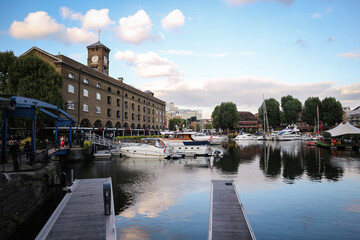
[98, 57]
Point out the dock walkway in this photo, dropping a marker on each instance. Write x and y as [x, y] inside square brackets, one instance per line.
[227, 218]
[81, 214]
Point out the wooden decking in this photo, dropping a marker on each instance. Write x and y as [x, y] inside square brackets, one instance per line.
[80, 215]
[227, 219]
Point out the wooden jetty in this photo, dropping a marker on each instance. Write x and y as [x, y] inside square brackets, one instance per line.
[81, 213]
[227, 218]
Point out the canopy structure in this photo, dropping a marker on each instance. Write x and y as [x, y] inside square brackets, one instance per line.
[343, 129]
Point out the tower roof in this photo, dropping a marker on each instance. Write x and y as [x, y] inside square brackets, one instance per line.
[98, 44]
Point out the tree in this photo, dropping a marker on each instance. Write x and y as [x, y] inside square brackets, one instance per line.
[7, 58]
[332, 111]
[273, 112]
[225, 116]
[309, 111]
[291, 108]
[31, 77]
[208, 126]
[175, 123]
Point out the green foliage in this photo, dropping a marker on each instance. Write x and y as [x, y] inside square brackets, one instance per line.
[31, 77]
[7, 58]
[175, 122]
[273, 112]
[225, 116]
[332, 111]
[87, 149]
[309, 111]
[208, 126]
[326, 135]
[291, 108]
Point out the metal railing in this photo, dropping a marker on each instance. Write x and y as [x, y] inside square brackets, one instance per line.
[21, 161]
[97, 139]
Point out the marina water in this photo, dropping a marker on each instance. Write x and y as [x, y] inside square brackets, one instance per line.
[289, 191]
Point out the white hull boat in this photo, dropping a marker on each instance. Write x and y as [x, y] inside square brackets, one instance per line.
[244, 136]
[147, 148]
[184, 144]
[289, 134]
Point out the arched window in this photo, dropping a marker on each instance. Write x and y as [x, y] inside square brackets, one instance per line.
[118, 92]
[85, 108]
[98, 110]
[98, 96]
[126, 95]
[109, 89]
[86, 93]
[71, 88]
[86, 81]
[98, 85]
[71, 76]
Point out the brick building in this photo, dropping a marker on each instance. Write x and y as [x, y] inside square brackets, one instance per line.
[97, 100]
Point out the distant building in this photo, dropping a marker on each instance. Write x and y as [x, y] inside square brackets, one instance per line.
[353, 117]
[247, 121]
[174, 111]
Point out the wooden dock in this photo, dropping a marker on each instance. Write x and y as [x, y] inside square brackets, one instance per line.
[81, 214]
[227, 218]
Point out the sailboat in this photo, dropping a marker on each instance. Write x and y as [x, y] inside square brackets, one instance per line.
[265, 124]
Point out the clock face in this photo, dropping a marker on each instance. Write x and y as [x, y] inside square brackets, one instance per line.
[105, 60]
[94, 58]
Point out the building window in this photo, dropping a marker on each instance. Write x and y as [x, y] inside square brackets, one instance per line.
[118, 102]
[71, 88]
[139, 117]
[126, 104]
[149, 110]
[138, 108]
[86, 93]
[71, 76]
[118, 114]
[98, 110]
[126, 95]
[86, 81]
[132, 98]
[139, 100]
[118, 92]
[109, 112]
[133, 106]
[109, 89]
[153, 111]
[133, 117]
[98, 85]
[70, 105]
[109, 100]
[144, 109]
[126, 115]
[85, 108]
[144, 118]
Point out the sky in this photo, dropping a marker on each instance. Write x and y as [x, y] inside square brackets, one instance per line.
[200, 53]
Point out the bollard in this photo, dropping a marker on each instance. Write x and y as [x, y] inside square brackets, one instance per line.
[107, 197]
[72, 176]
[64, 179]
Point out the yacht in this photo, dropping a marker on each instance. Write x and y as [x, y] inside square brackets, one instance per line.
[213, 139]
[288, 134]
[183, 143]
[244, 136]
[147, 148]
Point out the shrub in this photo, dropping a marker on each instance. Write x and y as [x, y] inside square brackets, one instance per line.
[87, 150]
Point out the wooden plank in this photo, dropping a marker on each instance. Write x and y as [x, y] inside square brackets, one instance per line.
[81, 214]
[227, 218]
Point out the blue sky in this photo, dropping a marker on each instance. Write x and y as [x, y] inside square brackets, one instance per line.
[198, 54]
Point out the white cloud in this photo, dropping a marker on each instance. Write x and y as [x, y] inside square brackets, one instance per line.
[317, 15]
[135, 28]
[67, 13]
[77, 35]
[246, 92]
[96, 19]
[191, 53]
[149, 65]
[36, 25]
[354, 54]
[173, 20]
[242, 2]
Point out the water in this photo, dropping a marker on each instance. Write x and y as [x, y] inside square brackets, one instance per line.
[289, 191]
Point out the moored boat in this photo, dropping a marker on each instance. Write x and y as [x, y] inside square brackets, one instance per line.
[184, 144]
[288, 134]
[147, 148]
[244, 136]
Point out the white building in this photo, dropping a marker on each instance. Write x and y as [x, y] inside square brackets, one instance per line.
[353, 117]
[174, 111]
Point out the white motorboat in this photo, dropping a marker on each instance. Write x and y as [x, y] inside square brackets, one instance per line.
[244, 136]
[183, 143]
[147, 148]
[288, 134]
[102, 154]
[217, 140]
[272, 136]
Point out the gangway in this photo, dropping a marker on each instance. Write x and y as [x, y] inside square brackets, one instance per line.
[99, 140]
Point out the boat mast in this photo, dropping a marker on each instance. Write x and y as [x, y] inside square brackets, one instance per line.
[318, 119]
[266, 121]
